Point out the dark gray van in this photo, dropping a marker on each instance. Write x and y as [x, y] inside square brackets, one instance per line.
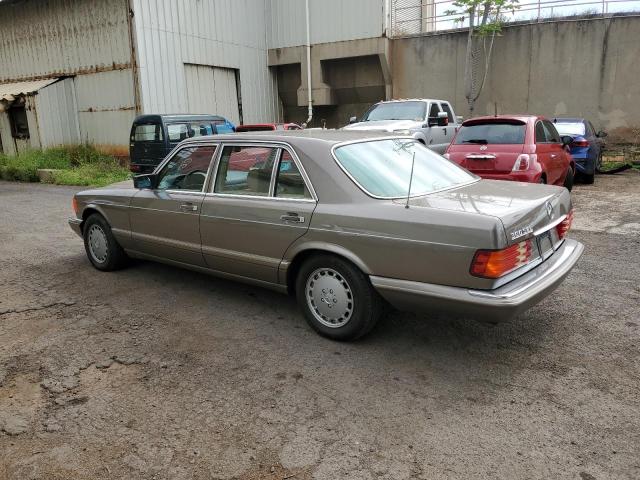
[154, 136]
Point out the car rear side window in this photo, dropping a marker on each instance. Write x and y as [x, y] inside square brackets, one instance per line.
[187, 169]
[509, 133]
[148, 132]
[290, 183]
[447, 108]
[541, 135]
[245, 170]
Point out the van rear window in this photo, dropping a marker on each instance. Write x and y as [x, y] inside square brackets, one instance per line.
[148, 132]
[491, 132]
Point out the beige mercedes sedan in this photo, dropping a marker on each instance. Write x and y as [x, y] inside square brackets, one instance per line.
[346, 221]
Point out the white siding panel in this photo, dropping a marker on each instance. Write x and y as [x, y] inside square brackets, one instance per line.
[56, 111]
[331, 21]
[56, 37]
[212, 90]
[107, 128]
[222, 33]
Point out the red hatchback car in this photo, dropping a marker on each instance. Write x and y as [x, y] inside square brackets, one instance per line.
[523, 148]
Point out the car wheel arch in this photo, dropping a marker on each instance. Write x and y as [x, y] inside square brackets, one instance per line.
[90, 210]
[305, 252]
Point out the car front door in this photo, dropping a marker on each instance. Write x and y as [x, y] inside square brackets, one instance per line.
[259, 203]
[450, 129]
[558, 156]
[165, 220]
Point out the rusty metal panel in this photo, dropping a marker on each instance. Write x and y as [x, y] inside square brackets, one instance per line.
[10, 90]
[57, 116]
[222, 33]
[331, 21]
[57, 37]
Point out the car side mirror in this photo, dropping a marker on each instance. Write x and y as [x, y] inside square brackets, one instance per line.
[147, 181]
[601, 134]
[353, 120]
[443, 119]
[567, 140]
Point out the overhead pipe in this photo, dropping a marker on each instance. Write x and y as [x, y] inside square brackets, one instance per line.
[309, 91]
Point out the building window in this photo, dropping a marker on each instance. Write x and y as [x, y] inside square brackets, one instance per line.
[18, 121]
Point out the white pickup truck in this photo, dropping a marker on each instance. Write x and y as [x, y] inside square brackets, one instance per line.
[432, 122]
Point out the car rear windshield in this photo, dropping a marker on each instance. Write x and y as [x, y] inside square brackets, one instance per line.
[382, 168]
[415, 111]
[491, 132]
[569, 128]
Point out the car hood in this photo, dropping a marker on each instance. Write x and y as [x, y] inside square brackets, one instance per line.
[521, 207]
[384, 125]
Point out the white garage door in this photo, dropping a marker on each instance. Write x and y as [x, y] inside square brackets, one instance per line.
[212, 90]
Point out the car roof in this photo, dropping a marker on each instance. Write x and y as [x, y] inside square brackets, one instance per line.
[568, 120]
[174, 117]
[522, 118]
[397, 100]
[296, 136]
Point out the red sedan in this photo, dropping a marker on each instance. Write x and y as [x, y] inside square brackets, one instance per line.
[259, 127]
[523, 148]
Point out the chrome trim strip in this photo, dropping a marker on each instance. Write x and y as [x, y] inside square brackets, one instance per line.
[479, 156]
[260, 197]
[549, 226]
[391, 137]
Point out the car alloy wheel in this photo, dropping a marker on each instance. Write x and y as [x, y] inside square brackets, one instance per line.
[98, 243]
[329, 297]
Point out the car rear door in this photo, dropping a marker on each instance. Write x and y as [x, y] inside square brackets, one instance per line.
[436, 135]
[146, 145]
[165, 220]
[252, 215]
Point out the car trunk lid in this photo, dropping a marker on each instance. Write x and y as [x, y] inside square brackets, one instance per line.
[525, 210]
[482, 158]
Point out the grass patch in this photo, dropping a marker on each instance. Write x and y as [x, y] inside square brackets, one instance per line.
[78, 165]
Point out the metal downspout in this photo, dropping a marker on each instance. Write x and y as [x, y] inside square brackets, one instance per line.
[309, 91]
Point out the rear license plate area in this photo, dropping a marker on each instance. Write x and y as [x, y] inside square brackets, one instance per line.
[545, 245]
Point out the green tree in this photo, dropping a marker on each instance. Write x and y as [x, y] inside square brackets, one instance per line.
[485, 22]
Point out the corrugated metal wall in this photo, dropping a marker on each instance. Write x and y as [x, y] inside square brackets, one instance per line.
[57, 114]
[220, 33]
[212, 89]
[62, 37]
[331, 21]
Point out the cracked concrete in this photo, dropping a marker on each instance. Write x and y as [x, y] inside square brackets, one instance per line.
[155, 372]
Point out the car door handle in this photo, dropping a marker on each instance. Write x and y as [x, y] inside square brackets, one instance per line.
[292, 217]
[188, 207]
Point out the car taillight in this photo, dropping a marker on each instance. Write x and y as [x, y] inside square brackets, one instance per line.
[134, 168]
[522, 162]
[580, 142]
[447, 156]
[563, 227]
[496, 263]
[74, 205]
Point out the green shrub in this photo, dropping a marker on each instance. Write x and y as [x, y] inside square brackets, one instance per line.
[78, 165]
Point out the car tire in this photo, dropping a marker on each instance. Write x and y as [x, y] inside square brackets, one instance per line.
[103, 250]
[337, 299]
[598, 166]
[568, 179]
[588, 179]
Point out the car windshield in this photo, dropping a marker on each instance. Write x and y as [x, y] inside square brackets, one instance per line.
[382, 168]
[566, 128]
[415, 111]
[491, 132]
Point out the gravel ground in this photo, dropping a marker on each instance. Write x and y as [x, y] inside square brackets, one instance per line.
[155, 372]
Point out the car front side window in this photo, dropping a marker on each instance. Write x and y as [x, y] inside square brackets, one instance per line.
[187, 169]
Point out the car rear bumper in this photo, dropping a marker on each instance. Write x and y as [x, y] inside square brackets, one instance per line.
[76, 225]
[494, 305]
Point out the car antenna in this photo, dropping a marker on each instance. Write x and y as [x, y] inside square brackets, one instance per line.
[413, 161]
